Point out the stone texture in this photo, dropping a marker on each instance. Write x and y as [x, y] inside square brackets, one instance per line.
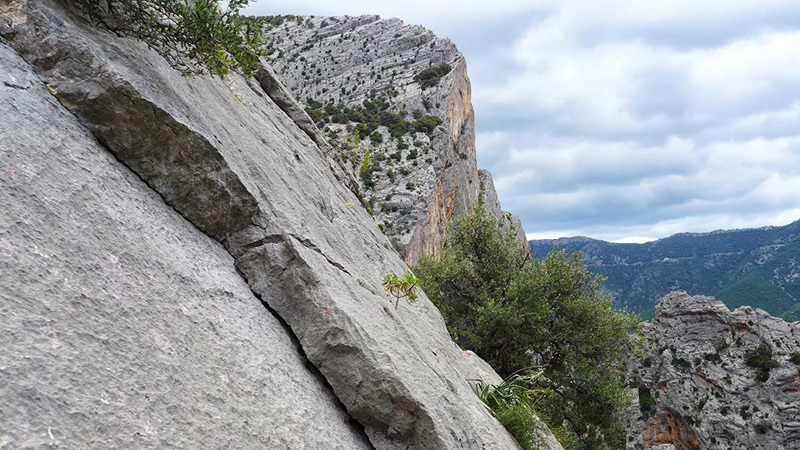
[667, 428]
[509, 222]
[351, 59]
[295, 236]
[123, 325]
[704, 395]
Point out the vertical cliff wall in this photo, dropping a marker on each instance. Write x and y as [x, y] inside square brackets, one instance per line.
[147, 219]
[418, 181]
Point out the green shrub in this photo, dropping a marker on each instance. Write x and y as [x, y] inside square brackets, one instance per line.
[376, 138]
[194, 37]
[365, 171]
[427, 124]
[430, 77]
[401, 287]
[760, 360]
[681, 364]
[512, 403]
[647, 404]
[760, 428]
[795, 358]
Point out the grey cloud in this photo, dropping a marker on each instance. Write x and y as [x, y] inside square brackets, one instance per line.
[691, 30]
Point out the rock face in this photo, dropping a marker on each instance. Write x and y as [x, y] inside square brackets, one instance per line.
[212, 286]
[711, 378]
[124, 326]
[508, 222]
[416, 181]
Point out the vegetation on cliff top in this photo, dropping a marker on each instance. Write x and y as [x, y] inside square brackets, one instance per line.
[518, 313]
[367, 118]
[194, 37]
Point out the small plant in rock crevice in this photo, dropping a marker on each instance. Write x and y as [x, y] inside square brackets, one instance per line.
[401, 287]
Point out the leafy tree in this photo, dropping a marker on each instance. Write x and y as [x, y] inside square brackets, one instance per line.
[518, 313]
[195, 36]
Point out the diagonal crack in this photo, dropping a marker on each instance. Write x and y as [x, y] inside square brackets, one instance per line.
[311, 246]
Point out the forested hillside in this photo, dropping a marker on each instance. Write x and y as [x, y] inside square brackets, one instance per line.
[757, 267]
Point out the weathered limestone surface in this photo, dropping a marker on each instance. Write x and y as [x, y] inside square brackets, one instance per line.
[509, 222]
[351, 59]
[149, 303]
[704, 395]
[123, 325]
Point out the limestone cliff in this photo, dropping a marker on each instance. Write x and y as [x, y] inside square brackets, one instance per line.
[182, 267]
[711, 378]
[417, 180]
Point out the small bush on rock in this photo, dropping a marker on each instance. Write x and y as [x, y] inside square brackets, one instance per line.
[512, 403]
[401, 287]
[760, 360]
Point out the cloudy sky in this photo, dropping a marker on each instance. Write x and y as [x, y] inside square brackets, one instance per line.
[624, 120]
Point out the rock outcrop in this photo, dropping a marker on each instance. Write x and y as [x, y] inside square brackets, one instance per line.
[508, 222]
[711, 378]
[182, 266]
[417, 181]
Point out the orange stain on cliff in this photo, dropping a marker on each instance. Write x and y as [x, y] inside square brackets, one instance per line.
[668, 427]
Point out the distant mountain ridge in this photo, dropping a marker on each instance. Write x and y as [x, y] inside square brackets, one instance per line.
[759, 267]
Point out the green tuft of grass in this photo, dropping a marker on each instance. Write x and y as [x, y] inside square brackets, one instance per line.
[512, 403]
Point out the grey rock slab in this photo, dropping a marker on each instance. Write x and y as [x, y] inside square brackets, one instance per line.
[305, 250]
[123, 325]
